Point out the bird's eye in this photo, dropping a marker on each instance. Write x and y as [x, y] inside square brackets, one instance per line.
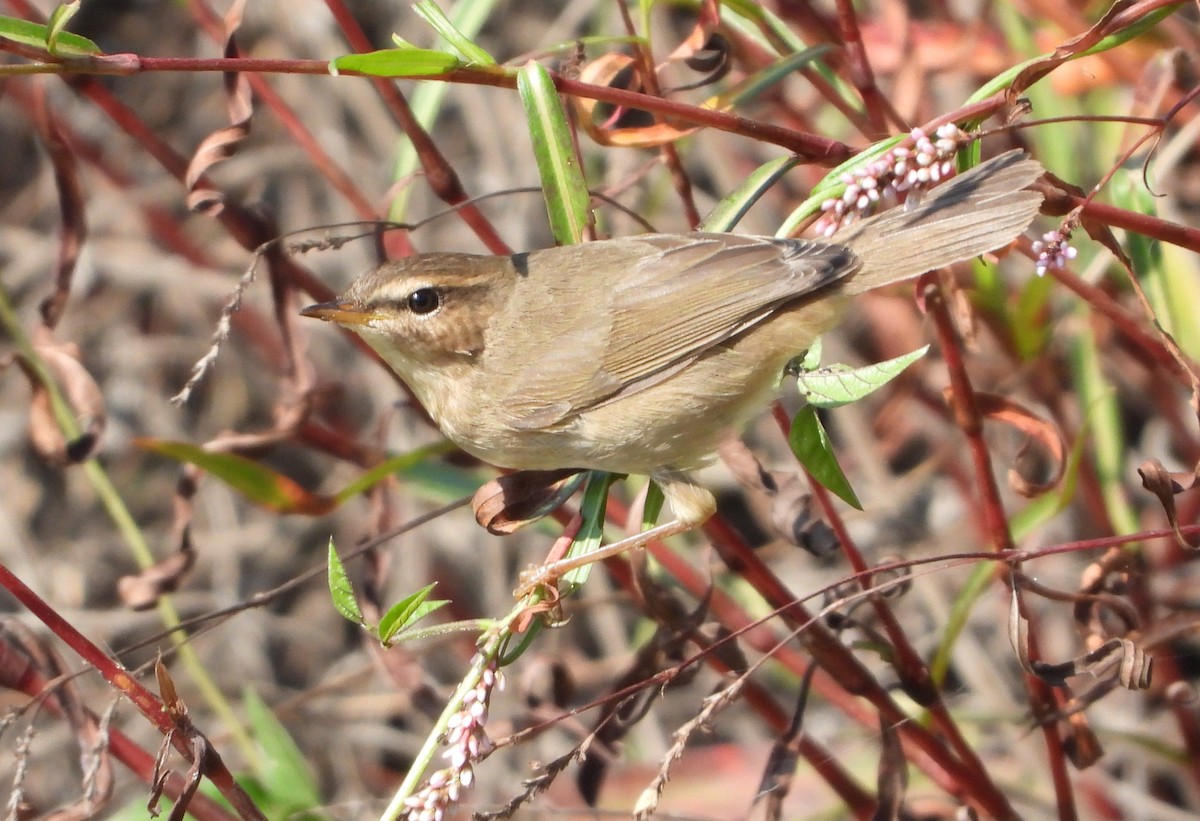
[424, 301]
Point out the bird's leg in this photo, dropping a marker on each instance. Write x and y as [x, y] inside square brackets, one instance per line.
[691, 504]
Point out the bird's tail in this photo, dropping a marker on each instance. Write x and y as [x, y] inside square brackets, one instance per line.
[978, 211]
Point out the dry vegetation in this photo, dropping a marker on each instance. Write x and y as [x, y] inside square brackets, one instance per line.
[1004, 464]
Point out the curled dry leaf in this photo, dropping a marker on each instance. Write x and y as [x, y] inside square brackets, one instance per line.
[223, 143]
[82, 395]
[141, 592]
[1166, 486]
[509, 502]
[795, 516]
[699, 41]
[1038, 430]
[620, 126]
[70, 205]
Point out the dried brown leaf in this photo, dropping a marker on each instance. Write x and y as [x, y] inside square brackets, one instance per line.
[892, 780]
[1166, 486]
[141, 592]
[1040, 68]
[509, 502]
[81, 393]
[1038, 430]
[621, 126]
[224, 142]
[70, 206]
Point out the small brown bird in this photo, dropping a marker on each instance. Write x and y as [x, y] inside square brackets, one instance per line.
[642, 354]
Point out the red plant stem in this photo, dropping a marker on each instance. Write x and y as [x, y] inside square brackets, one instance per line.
[861, 803]
[861, 74]
[667, 151]
[18, 673]
[324, 163]
[146, 702]
[840, 690]
[440, 175]
[970, 421]
[808, 146]
[968, 418]
[849, 672]
[913, 672]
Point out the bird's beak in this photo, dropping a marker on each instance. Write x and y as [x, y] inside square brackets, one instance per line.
[339, 311]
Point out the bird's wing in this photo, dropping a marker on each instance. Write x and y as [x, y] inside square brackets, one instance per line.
[672, 298]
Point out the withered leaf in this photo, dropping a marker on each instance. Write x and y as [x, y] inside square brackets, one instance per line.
[1166, 486]
[509, 502]
[141, 592]
[81, 393]
[1040, 431]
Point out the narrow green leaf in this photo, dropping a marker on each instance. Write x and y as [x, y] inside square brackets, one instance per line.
[753, 20]
[397, 62]
[840, 385]
[812, 447]
[592, 508]
[66, 44]
[730, 210]
[749, 89]
[426, 102]
[393, 465]
[407, 612]
[283, 772]
[566, 193]
[1030, 330]
[653, 505]
[342, 592]
[257, 483]
[834, 184]
[977, 584]
[1170, 274]
[432, 14]
[58, 21]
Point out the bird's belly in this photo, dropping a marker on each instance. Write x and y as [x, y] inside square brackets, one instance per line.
[677, 423]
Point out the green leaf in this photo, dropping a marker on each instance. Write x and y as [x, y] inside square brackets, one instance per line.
[566, 193]
[407, 612]
[1030, 330]
[432, 14]
[810, 360]
[65, 43]
[755, 22]
[749, 89]
[57, 25]
[652, 506]
[964, 603]
[403, 463]
[840, 385]
[834, 184]
[397, 62]
[283, 772]
[426, 103]
[812, 447]
[340, 588]
[1170, 274]
[257, 483]
[730, 210]
[592, 508]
